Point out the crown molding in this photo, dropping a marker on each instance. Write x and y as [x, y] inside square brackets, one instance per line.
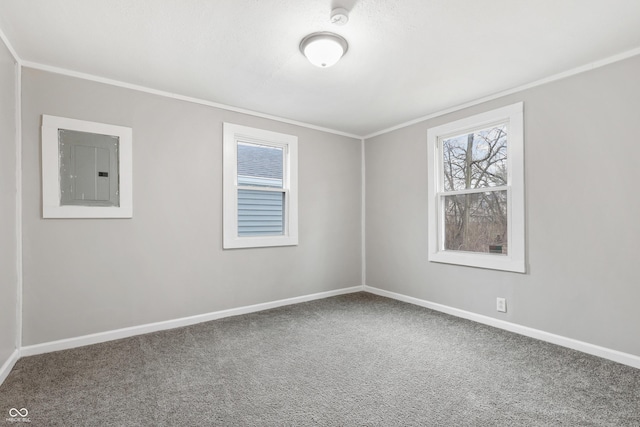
[140, 88]
[578, 70]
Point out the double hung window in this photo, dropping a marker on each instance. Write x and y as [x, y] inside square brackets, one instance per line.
[260, 188]
[476, 191]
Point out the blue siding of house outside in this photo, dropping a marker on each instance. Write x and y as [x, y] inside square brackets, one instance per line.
[260, 161]
[260, 212]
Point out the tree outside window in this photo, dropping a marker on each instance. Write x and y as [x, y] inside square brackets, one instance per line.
[477, 161]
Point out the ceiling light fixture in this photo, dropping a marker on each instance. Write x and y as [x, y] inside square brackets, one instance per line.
[323, 49]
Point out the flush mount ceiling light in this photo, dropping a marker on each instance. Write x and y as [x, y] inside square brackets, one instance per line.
[323, 49]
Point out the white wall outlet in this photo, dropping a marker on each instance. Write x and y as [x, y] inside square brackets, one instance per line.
[501, 304]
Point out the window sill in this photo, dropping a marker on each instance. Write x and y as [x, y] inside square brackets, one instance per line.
[487, 261]
[259, 242]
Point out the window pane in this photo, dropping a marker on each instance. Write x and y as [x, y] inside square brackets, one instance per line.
[475, 160]
[260, 165]
[260, 213]
[476, 222]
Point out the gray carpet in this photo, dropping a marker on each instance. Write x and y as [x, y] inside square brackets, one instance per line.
[352, 360]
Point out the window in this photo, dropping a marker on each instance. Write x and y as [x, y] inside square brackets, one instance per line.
[476, 191]
[260, 188]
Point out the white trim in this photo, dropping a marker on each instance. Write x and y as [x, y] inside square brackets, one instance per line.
[10, 48]
[595, 350]
[477, 190]
[363, 218]
[19, 281]
[555, 77]
[515, 259]
[139, 88]
[51, 207]
[559, 76]
[8, 365]
[100, 337]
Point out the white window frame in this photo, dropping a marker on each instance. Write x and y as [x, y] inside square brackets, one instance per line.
[232, 135]
[51, 191]
[515, 259]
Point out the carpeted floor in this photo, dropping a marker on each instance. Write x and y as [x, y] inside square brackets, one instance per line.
[352, 360]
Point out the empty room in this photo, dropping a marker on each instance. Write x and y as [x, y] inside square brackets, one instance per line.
[319, 212]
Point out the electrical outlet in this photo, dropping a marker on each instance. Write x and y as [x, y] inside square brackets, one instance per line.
[501, 304]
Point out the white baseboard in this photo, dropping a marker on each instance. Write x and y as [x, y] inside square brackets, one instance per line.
[8, 365]
[606, 353]
[65, 344]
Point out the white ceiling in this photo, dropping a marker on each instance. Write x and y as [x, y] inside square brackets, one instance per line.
[406, 58]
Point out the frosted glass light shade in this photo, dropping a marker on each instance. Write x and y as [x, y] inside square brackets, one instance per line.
[323, 49]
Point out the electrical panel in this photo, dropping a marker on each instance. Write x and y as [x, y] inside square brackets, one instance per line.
[89, 174]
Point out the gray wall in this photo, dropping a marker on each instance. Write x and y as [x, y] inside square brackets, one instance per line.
[87, 276]
[94, 275]
[8, 272]
[582, 145]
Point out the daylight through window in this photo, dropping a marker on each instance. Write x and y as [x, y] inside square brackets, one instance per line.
[476, 191]
[261, 198]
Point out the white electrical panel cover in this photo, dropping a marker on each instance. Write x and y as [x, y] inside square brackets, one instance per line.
[86, 169]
